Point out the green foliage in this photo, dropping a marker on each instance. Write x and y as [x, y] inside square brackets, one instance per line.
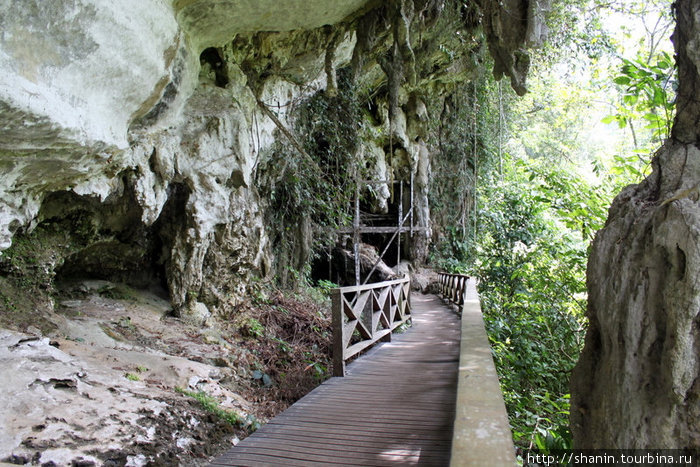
[308, 199]
[251, 327]
[621, 171]
[326, 286]
[321, 293]
[453, 265]
[330, 126]
[574, 202]
[531, 264]
[557, 439]
[211, 405]
[545, 169]
[320, 371]
[647, 95]
[553, 122]
[463, 148]
[283, 345]
[576, 29]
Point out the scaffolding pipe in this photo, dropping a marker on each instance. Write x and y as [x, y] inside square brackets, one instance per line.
[411, 211]
[398, 241]
[398, 229]
[356, 234]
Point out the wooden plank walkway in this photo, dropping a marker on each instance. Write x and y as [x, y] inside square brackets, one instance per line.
[395, 406]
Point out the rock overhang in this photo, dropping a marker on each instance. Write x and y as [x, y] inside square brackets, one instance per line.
[64, 64]
[213, 22]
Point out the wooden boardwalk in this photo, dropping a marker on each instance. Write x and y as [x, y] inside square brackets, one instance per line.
[396, 406]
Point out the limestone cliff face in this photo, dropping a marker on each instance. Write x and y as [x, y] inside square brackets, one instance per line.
[143, 125]
[637, 384]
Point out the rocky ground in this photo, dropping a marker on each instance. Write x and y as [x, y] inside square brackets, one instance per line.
[114, 385]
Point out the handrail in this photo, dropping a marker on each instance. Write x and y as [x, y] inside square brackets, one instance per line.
[453, 287]
[365, 314]
[481, 433]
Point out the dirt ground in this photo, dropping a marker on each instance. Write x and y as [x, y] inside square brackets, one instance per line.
[114, 385]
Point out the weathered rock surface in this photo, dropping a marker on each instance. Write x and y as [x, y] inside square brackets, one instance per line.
[103, 392]
[166, 111]
[213, 23]
[510, 26]
[74, 77]
[344, 261]
[637, 384]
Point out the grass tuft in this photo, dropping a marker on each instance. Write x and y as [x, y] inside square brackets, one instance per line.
[210, 404]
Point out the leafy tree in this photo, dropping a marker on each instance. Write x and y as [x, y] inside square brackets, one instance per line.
[647, 94]
[531, 264]
[464, 148]
[645, 89]
[548, 170]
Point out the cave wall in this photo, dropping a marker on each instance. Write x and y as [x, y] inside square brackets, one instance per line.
[168, 111]
[637, 383]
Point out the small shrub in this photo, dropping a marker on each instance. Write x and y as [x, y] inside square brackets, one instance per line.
[210, 404]
[251, 327]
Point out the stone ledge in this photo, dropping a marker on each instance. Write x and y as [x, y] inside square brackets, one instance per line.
[482, 433]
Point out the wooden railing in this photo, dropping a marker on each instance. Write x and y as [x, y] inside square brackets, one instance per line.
[453, 286]
[365, 314]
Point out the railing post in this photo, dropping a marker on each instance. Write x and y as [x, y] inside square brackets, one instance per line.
[408, 297]
[337, 321]
[459, 292]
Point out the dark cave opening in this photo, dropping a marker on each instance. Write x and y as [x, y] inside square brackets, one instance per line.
[103, 240]
[212, 58]
[172, 219]
[108, 240]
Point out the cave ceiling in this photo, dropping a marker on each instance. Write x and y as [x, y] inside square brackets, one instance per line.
[213, 22]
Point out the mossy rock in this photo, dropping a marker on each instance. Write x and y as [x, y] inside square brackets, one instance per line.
[19, 310]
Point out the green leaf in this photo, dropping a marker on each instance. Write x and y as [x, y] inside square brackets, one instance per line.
[630, 99]
[659, 97]
[630, 70]
[541, 442]
[652, 117]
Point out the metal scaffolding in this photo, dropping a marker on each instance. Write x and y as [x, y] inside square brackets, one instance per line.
[359, 227]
